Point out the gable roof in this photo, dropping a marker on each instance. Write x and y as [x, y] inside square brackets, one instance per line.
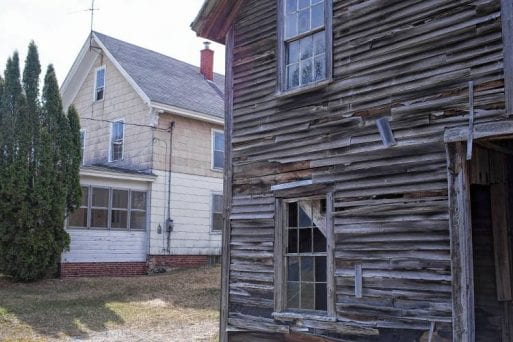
[163, 82]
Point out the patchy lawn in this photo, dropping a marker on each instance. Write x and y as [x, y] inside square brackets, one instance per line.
[181, 305]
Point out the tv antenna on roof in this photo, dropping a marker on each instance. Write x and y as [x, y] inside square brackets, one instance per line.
[92, 9]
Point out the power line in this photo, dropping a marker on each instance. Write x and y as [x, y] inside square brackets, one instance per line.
[128, 123]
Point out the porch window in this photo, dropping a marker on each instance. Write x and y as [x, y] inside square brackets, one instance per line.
[306, 255]
[305, 49]
[80, 216]
[108, 208]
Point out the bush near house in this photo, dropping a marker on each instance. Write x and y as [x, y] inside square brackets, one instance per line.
[39, 170]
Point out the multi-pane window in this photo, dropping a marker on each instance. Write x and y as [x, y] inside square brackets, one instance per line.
[306, 255]
[138, 210]
[99, 84]
[305, 49]
[217, 212]
[82, 145]
[116, 140]
[107, 208]
[100, 208]
[217, 150]
[119, 213]
[79, 216]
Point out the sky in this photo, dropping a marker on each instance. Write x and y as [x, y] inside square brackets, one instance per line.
[60, 28]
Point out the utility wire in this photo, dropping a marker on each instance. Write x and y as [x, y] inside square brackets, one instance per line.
[129, 124]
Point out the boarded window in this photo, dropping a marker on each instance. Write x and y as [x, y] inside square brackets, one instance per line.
[306, 255]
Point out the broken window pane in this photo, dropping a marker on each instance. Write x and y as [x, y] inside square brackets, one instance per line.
[321, 297]
[292, 214]
[305, 214]
[292, 247]
[320, 269]
[305, 240]
[319, 241]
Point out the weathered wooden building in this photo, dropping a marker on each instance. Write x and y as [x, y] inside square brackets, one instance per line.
[369, 163]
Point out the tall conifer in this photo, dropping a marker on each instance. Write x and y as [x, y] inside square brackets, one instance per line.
[39, 165]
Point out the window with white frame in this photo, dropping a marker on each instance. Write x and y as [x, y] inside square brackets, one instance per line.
[217, 150]
[109, 208]
[79, 218]
[217, 213]
[82, 145]
[306, 255]
[305, 48]
[117, 136]
[99, 84]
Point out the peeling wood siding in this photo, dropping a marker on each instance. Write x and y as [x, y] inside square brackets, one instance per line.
[409, 61]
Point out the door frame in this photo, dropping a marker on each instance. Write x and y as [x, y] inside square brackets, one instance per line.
[460, 225]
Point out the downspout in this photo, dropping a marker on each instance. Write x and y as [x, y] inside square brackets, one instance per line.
[170, 223]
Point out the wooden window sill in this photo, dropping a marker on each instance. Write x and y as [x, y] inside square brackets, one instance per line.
[304, 90]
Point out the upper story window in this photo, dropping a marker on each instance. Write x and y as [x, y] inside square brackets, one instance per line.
[305, 48]
[217, 150]
[99, 84]
[117, 136]
[217, 212]
[82, 145]
[107, 208]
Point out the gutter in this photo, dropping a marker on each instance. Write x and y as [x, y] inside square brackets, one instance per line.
[187, 113]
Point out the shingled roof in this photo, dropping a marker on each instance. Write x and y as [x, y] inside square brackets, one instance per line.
[166, 80]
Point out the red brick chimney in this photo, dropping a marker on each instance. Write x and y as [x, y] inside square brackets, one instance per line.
[207, 62]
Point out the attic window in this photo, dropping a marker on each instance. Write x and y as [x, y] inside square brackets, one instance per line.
[99, 88]
[305, 52]
[117, 137]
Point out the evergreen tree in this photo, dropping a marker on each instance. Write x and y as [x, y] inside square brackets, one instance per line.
[13, 172]
[39, 166]
[74, 189]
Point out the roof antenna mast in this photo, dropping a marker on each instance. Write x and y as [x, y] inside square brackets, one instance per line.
[92, 10]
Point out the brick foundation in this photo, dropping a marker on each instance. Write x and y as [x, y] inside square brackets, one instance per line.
[177, 261]
[102, 269]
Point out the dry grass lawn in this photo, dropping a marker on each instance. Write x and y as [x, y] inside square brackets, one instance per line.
[181, 305]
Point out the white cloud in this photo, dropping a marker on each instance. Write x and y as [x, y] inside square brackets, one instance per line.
[60, 27]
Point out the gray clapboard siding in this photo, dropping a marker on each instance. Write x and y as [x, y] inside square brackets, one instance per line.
[410, 61]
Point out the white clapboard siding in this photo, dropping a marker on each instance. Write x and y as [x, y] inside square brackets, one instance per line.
[191, 213]
[105, 246]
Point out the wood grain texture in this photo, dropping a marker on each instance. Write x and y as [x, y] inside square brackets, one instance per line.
[393, 213]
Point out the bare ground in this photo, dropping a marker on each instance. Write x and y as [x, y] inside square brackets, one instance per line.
[182, 305]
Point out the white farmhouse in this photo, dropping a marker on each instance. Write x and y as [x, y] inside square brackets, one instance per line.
[152, 152]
